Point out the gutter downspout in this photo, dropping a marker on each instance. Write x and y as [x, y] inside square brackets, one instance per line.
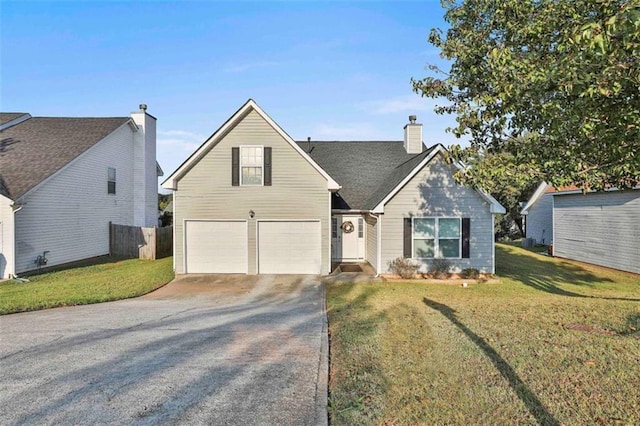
[378, 217]
[16, 206]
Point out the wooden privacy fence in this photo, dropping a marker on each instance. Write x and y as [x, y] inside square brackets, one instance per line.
[140, 242]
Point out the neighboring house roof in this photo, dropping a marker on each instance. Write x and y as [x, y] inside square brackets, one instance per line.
[7, 117]
[539, 192]
[545, 188]
[38, 147]
[367, 171]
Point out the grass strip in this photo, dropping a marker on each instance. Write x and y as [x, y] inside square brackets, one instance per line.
[106, 280]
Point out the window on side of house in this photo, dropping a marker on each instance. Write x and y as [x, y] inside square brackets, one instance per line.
[251, 165]
[111, 180]
[436, 237]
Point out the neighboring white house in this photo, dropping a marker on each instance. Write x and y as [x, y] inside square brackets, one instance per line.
[602, 228]
[62, 180]
[252, 200]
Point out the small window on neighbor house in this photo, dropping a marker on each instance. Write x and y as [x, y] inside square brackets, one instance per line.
[111, 180]
[360, 227]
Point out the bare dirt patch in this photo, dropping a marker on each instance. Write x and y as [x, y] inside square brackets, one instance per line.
[586, 328]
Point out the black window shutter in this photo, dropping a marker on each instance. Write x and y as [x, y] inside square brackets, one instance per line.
[235, 166]
[407, 237]
[466, 235]
[267, 166]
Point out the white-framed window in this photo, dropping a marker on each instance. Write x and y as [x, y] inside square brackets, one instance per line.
[111, 180]
[436, 237]
[360, 227]
[251, 165]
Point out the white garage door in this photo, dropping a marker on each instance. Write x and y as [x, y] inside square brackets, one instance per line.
[289, 247]
[216, 246]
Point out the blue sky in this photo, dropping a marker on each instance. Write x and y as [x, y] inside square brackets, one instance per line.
[328, 70]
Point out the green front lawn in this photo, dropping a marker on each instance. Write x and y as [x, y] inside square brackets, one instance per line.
[107, 279]
[551, 342]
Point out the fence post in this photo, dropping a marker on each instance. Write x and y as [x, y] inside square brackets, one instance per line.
[110, 238]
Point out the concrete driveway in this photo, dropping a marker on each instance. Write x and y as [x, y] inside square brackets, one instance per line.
[201, 350]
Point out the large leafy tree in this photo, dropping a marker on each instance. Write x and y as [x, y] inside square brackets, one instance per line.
[566, 73]
[506, 176]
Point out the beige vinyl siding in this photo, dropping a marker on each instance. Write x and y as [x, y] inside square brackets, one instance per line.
[539, 221]
[68, 215]
[600, 228]
[298, 191]
[6, 238]
[371, 233]
[433, 192]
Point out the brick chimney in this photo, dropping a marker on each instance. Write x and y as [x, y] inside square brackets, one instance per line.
[413, 136]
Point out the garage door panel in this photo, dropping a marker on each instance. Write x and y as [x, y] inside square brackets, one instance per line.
[216, 246]
[289, 247]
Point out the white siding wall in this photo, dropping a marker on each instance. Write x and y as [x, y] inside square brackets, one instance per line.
[433, 192]
[539, 221]
[599, 228]
[6, 238]
[68, 215]
[371, 233]
[298, 190]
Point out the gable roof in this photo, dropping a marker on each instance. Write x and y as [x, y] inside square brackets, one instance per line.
[371, 173]
[250, 105]
[367, 171]
[36, 148]
[542, 189]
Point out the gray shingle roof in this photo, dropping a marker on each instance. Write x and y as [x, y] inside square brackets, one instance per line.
[36, 148]
[367, 171]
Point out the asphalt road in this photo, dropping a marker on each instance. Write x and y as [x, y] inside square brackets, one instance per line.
[220, 350]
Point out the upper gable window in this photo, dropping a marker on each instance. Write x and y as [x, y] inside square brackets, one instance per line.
[111, 180]
[251, 165]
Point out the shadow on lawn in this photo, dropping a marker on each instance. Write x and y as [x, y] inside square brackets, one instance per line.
[357, 378]
[546, 275]
[530, 400]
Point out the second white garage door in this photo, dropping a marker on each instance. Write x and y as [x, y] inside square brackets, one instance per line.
[216, 247]
[289, 247]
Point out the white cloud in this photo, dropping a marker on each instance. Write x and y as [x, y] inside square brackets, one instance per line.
[408, 103]
[175, 146]
[355, 131]
[237, 68]
[178, 141]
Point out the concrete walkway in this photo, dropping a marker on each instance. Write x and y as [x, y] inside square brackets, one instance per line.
[203, 350]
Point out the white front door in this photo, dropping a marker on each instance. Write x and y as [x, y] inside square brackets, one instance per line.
[348, 243]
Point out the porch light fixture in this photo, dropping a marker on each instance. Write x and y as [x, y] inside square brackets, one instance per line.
[251, 214]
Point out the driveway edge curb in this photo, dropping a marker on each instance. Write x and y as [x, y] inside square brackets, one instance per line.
[322, 386]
